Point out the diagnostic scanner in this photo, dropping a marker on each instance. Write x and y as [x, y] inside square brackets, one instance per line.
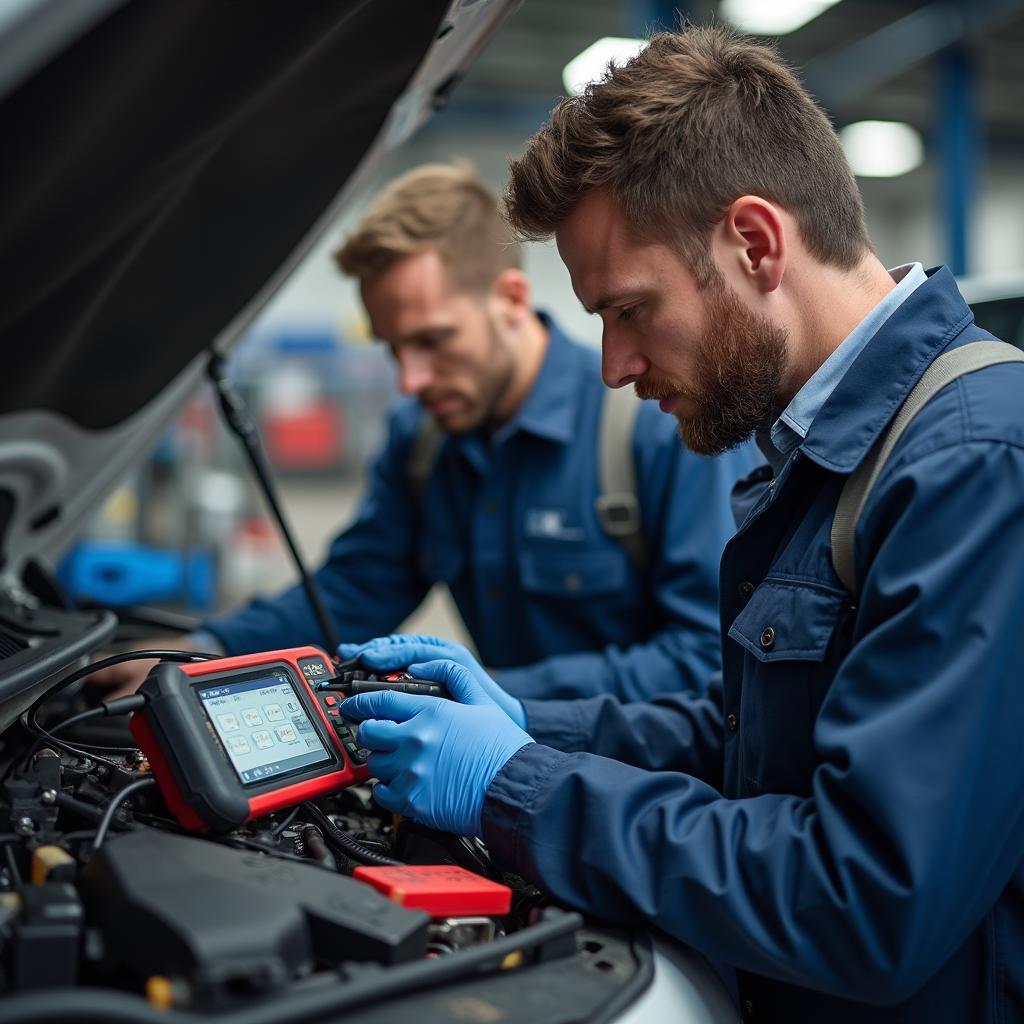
[236, 738]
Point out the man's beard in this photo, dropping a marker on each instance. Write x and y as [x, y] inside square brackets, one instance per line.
[494, 376]
[740, 366]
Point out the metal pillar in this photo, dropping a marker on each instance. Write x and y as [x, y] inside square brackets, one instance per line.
[659, 15]
[958, 132]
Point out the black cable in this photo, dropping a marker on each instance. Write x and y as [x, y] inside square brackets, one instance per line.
[239, 842]
[44, 737]
[92, 1006]
[90, 812]
[315, 848]
[158, 654]
[285, 822]
[347, 844]
[108, 814]
[28, 717]
[119, 706]
[238, 421]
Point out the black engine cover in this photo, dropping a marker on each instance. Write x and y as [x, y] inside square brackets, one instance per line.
[223, 919]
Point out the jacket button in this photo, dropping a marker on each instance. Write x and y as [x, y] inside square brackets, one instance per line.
[746, 588]
[767, 638]
[731, 723]
[748, 1009]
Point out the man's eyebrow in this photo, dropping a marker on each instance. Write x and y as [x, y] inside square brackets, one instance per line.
[609, 299]
[441, 332]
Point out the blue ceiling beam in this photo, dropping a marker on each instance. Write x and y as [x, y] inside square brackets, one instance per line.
[847, 74]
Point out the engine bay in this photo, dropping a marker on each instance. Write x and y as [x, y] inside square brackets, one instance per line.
[110, 909]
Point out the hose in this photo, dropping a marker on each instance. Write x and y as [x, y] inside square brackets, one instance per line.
[315, 848]
[346, 844]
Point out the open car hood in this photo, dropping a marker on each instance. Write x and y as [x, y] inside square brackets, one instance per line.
[166, 166]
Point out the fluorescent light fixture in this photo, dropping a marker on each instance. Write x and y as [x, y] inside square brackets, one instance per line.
[881, 149]
[772, 17]
[592, 63]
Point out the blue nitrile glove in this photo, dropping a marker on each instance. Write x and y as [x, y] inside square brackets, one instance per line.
[435, 758]
[387, 653]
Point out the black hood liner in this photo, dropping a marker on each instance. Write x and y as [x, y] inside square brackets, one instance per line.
[158, 172]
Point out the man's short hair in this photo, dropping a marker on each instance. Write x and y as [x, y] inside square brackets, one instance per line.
[699, 118]
[436, 206]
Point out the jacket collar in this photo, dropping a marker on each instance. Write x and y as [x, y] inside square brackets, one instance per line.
[885, 372]
[550, 408]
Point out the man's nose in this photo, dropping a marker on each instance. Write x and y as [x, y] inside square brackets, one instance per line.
[415, 372]
[621, 363]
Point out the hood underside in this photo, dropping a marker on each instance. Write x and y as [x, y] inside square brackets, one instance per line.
[164, 169]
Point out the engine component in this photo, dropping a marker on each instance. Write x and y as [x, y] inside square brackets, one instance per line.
[52, 864]
[46, 937]
[452, 933]
[442, 890]
[229, 922]
[31, 797]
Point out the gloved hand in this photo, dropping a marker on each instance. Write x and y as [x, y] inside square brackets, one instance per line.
[388, 653]
[435, 758]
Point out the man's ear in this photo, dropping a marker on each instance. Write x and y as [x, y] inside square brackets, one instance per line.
[750, 244]
[510, 291]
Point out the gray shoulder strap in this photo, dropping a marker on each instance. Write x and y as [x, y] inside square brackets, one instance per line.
[422, 455]
[617, 506]
[944, 370]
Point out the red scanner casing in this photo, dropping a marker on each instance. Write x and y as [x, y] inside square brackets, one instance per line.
[198, 780]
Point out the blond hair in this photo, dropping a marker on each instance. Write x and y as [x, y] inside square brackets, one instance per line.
[696, 120]
[436, 206]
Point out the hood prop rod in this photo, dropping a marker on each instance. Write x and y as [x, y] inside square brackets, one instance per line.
[237, 418]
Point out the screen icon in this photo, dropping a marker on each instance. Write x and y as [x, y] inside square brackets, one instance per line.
[239, 745]
[287, 734]
[263, 739]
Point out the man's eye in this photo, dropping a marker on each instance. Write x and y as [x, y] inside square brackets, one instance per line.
[627, 313]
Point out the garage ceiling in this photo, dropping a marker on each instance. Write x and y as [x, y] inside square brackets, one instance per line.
[520, 73]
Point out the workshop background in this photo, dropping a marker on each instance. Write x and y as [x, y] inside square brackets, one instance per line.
[943, 183]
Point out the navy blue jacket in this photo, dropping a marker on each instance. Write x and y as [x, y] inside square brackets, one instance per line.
[842, 817]
[509, 523]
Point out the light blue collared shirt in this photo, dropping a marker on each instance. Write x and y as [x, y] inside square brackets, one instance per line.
[789, 430]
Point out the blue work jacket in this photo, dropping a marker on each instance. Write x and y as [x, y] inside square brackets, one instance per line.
[842, 816]
[508, 522]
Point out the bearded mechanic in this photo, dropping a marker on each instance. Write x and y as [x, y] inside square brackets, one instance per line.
[841, 816]
[501, 502]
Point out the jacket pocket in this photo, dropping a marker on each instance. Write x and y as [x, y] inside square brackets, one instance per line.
[569, 571]
[789, 621]
[793, 638]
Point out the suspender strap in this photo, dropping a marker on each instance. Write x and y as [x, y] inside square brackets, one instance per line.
[944, 370]
[618, 509]
[617, 506]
